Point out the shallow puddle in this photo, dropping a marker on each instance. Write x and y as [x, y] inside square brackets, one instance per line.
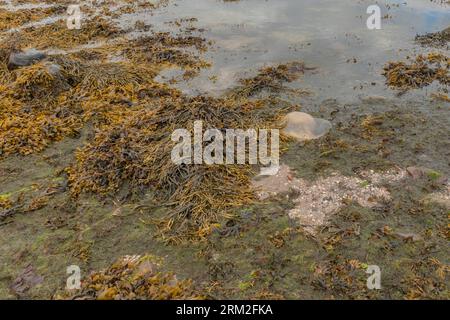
[330, 35]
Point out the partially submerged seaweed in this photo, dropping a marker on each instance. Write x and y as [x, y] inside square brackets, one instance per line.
[18, 18]
[133, 117]
[51, 99]
[421, 72]
[58, 35]
[435, 39]
[136, 150]
[270, 79]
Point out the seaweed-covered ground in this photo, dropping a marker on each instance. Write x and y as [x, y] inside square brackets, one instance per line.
[86, 177]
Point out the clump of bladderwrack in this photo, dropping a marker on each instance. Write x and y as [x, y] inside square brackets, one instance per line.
[134, 278]
[13, 19]
[33, 110]
[131, 6]
[164, 50]
[51, 98]
[270, 79]
[435, 39]
[58, 35]
[135, 151]
[421, 72]
[37, 108]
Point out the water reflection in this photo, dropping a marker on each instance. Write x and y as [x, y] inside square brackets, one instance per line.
[329, 34]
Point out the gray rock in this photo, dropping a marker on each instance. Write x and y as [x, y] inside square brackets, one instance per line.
[25, 58]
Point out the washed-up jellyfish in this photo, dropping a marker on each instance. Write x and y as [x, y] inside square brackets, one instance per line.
[302, 126]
